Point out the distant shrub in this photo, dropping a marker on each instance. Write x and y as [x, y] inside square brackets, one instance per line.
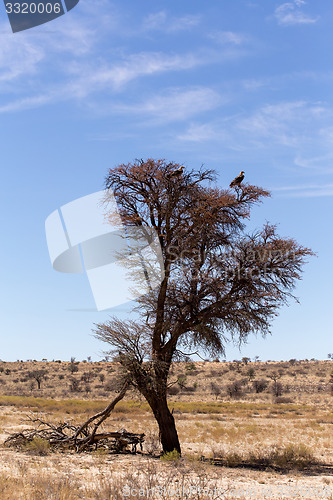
[235, 390]
[75, 385]
[259, 385]
[283, 400]
[188, 388]
[277, 389]
[109, 386]
[293, 455]
[181, 381]
[251, 373]
[173, 390]
[73, 367]
[216, 389]
[61, 376]
[87, 376]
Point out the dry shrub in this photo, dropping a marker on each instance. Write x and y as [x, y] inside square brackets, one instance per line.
[283, 400]
[235, 390]
[291, 456]
[152, 443]
[38, 446]
[259, 385]
[173, 390]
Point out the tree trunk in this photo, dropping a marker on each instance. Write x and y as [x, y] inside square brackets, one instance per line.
[166, 423]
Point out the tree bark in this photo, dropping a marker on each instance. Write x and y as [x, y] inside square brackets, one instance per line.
[166, 423]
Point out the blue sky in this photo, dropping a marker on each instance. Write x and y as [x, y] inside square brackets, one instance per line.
[232, 85]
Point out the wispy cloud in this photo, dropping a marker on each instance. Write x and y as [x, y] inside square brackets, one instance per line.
[18, 58]
[229, 37]
[81, 79]
[204, 132]
[304, 191]
[291, 13]
[176, 104]
[291, 130]
[282, 123]
[162, 22]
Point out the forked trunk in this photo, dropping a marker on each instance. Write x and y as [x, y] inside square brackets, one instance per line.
[167, 426]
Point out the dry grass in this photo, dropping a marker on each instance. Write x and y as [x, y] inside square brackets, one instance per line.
[257, 429]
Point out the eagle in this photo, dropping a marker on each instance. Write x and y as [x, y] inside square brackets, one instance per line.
[237, 180]
[176, 173]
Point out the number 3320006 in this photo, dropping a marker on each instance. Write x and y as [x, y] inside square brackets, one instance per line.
[33, 8]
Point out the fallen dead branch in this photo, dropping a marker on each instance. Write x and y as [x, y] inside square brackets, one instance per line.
[83, 437]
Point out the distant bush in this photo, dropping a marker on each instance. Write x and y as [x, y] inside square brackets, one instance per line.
[251, 373]
[173, 390]
[259, 385]
[87, 376]
[235, 390]
[277, 389]
[283, 400]
[190, 367]
[188, 388]
[216, 389]
[75, 385]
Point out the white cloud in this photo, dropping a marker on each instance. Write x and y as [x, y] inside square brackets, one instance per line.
[27, 103]
[228, 37]
[204, 132]
[81, 79]
[162, 22]
[283, 123]
[175, 104]
[18, 58]
[290, 13]
[88, 79]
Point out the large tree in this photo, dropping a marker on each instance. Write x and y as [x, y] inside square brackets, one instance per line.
[219, 283]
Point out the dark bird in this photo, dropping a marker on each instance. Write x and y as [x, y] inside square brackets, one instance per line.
[176, 173]
[237, 180]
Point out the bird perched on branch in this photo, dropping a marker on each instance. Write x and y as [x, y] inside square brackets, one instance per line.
[237, 180]
[176, 173]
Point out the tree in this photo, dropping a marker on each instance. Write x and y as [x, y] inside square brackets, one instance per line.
[38, 375]
[218, 283]
[73, 367]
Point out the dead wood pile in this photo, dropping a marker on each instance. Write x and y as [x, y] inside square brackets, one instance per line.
[80, 438]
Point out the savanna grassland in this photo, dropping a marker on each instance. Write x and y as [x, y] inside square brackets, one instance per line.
[247, 430]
